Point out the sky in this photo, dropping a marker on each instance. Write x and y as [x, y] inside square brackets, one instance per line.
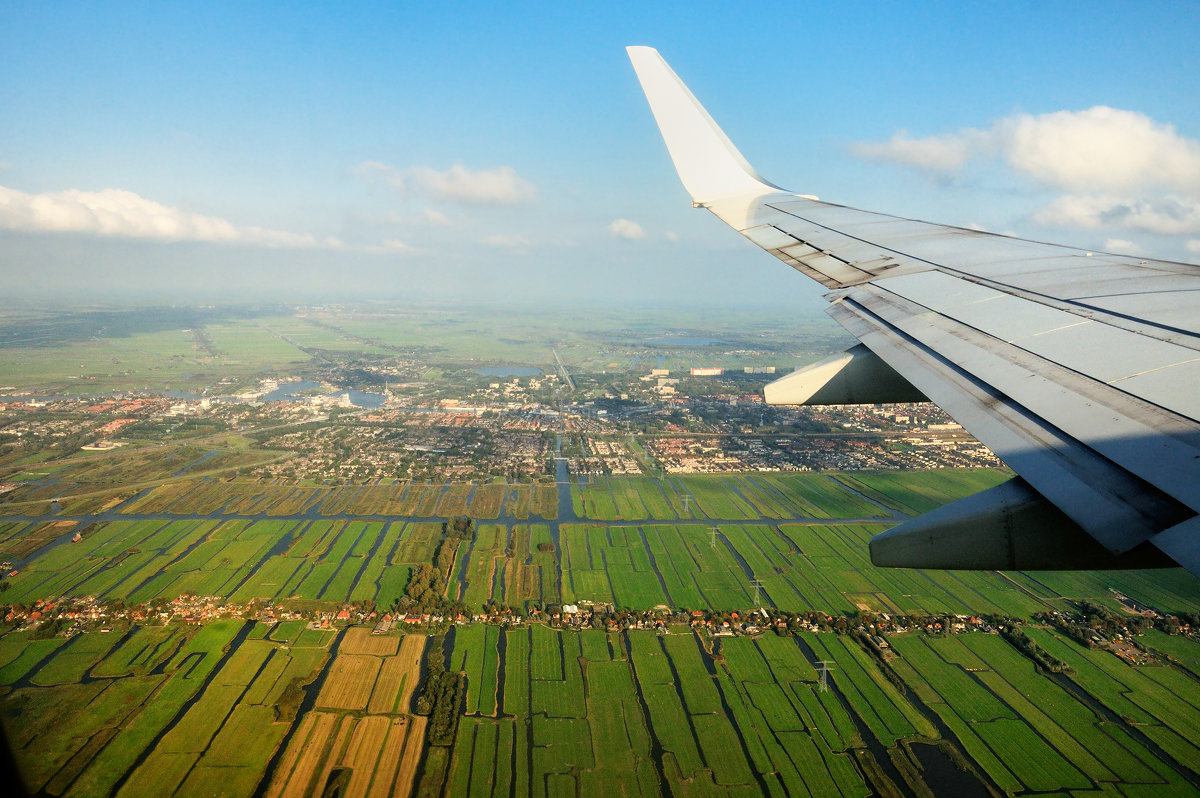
[471, 153]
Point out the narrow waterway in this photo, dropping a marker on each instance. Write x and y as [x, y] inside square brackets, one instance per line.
[311, 691]
[877, 750]
[711, 666]
[662, 583]
[656, 749]
[502, 670]
[940, 771]
[1091, 702]
[237, 641]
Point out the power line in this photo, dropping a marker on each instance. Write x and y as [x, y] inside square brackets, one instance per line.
[824, 684]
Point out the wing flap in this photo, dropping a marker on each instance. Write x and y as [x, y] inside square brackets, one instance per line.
[1071, 339]
[1143, 438]
[1117, 508]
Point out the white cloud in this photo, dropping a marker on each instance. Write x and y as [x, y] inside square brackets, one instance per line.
[1193, 246]
[1104, 148]
[124, 214]
[392, 245]
[672, 236]
[1121, 246]
[435, 217]
[1171, 215]
[506, 240]
[624, 228]
[944, 154]
[1099, 149]
[500, 185]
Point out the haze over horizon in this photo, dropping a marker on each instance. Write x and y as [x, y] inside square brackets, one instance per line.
[273, 153]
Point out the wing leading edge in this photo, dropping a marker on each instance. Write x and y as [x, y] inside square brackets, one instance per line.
[1077, 368]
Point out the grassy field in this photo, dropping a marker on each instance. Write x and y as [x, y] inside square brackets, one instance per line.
[187, 711]
[916, 492]
[784, 532]
[588, 711]
[1027, 732]
[725, 497]
[126, 353]
[585, 712]
[87, 744]
[1162, 702]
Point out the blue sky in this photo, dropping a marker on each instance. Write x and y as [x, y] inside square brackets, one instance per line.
[471, 152]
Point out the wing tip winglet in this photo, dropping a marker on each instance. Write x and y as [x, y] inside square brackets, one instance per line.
[709, 165]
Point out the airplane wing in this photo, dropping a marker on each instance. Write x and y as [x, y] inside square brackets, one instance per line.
[1081, 370]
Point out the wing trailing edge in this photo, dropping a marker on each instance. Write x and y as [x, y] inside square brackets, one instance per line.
[1008, 527]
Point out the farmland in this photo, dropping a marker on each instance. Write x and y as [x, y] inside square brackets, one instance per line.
[296, 707]
[801, 538]
[639, 713]
[178, 710]
[360, 733]
[188, 711]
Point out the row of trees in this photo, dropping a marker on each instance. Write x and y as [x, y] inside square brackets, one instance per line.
[1042, 658]
[426, 588]
[442, 696]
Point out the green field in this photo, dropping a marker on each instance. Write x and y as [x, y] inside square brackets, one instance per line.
[591, 712]
[635, 712]
[750, 717]
[88, 735]
[802, 537]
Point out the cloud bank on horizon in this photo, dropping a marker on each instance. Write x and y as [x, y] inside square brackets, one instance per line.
[124, 214]
[1121, 169]
[118, 213]
[500, 185]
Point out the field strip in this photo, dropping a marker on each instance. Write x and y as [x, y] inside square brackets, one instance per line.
[335, 755]
[288, 763]
[359, 640]
[389, 759]
[387, 686]
[348, 755]
[350, 682]
[363, 753]
[413, 747]
[410, 653]
[308, 756]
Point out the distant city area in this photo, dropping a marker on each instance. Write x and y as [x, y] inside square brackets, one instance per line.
[347, 396]
[507, 429]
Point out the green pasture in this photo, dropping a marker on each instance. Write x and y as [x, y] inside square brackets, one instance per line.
[734, 716]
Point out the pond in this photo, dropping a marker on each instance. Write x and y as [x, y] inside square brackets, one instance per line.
[291, 392]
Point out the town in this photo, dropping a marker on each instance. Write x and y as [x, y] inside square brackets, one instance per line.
[508, 431]
[1091, 624]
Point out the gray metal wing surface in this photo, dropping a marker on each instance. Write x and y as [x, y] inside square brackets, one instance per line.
[1079, 369]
